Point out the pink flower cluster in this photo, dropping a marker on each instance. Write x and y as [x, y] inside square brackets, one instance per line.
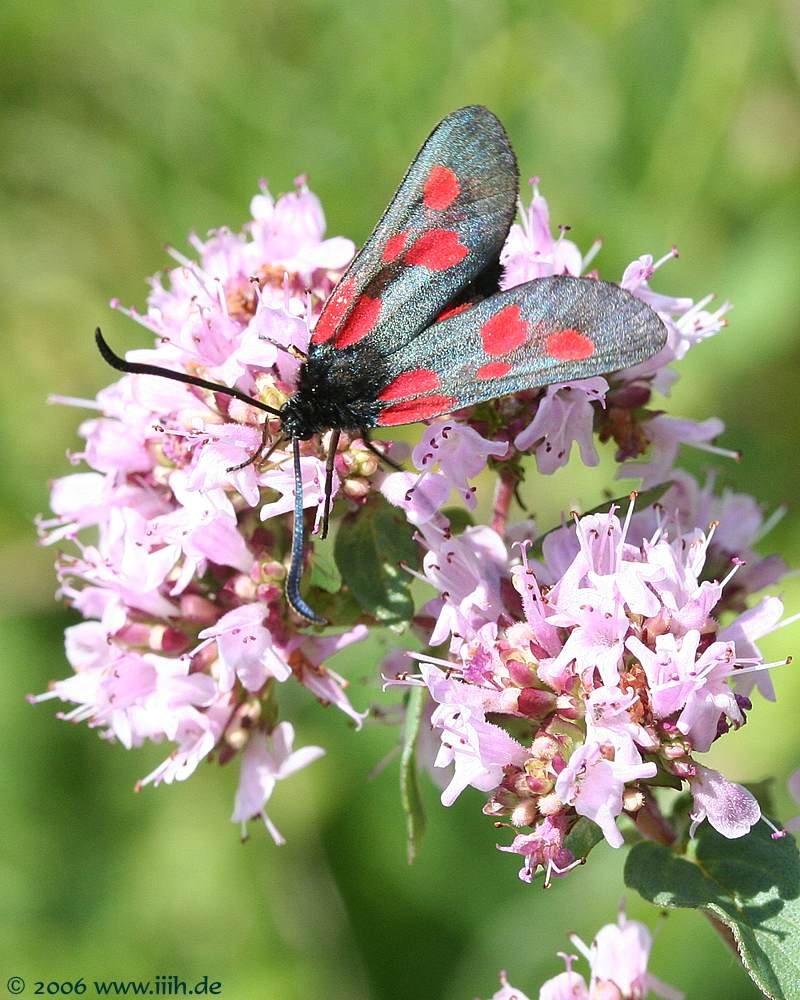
[548, 422]
[617, 960]
[577, 682]
[605, 663]
[187, 637]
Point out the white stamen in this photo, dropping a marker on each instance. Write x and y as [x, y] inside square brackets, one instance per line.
[713, 449]
[787, 621]
[591, 253]
[774, 518]
[86, 404]
[424, 658]
[581, 947]
[738, 565]
[627, 523]
[673, 252]
[763, 666]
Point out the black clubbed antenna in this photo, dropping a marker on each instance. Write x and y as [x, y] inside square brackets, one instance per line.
[135, 368]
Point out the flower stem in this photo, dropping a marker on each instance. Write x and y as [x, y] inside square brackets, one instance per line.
[503, 495]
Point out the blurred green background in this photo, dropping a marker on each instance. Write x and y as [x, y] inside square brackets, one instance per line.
[122, 127]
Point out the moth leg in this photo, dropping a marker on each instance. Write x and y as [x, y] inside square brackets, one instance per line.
[379, 454]
[252, 459]
[330, 460]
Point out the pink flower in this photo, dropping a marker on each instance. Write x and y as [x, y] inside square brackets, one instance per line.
[468, 570]
[282, 480]
[729, 808]
[308, 654]
[751, 625]
[507, 991]
[421, 496]
[597, 636]
[478, 750]
[246, 649]
[593, 785]
[177, 554]
[265, 761]
[196, 734]
[564, 416]
[531, 251]
[544, 848]
[619, 956]
[666, 434]
[459, 451]
[567, 985]
[290, 231]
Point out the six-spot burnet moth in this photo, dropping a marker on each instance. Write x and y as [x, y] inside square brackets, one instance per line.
[416, 327]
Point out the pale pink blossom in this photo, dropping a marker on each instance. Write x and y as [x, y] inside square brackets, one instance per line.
[266, 760]
[564, 416]
[731, 809]
[459, 452]
[593, 785]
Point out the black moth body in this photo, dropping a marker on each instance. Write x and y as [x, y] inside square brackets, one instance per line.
[416, 327]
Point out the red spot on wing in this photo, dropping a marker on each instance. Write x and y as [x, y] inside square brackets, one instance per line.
[333, 310]
[441, 188]
[411, 384]
[417, 409]
[437, 250]
[569, 345]
[452, 311]
[504, 332]
[362, 319]
[495, 369]
[394, 246]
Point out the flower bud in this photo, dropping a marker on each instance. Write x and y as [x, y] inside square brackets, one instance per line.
[200, 610]
[366, 463]
[356, 489]
[525, 813]
[534, 703]
[494, 808]
[134, 634]
[545, 747]
[244, 718]
[569, 707]
[168, 640]
[520, 672]
[632, 800]
[550, 805]
[242, 586]
[270, 571]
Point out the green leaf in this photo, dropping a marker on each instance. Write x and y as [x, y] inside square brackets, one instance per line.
[764, 792]
[370, 545]
[584, 836]
[752, 885]
[644, 499]
[409, 784]
[662, 777]
[324, 572]
[340, 608]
